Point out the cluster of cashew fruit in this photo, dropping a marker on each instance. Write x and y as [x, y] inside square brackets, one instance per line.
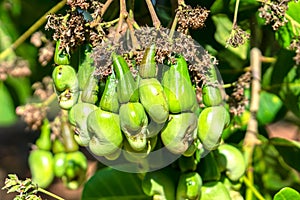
[135, 115]
[58, 158]
[216, 176]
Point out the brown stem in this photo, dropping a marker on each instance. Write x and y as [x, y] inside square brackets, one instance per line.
[155, 20]
[123, 15]
[105, 6]
[251, 134]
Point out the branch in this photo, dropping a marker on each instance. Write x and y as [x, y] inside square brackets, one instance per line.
[31, 30]
[251, 135]
[155, 20]
[123, 15]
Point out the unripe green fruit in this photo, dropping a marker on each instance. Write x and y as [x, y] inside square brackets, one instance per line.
[211, 123]
[44, 141]
[154, 100]
[109, 100]
[66, 85]
[78, 115]
[187, 164]
[179, 92]
[75, 169]
[134, 121]
[61, 57]
[127, 88]
[59, 161]
[189, 186]
[159, 184]
[178, 134]
[90, 90]
[105, 130]
[211, 95]
[214, 191]
[235, 162]
[41, 167]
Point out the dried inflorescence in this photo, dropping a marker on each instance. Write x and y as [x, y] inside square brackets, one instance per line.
[237, 37]
[295, 45]
[43, 89]
[193, 18]
[237, 100]
[274, 12]
[16, 68]
[46, 47]
[79, 25]
[32, 114]
[198, 59]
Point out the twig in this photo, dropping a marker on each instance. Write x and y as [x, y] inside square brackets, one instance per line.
[50, 194]
[31, 30]
[105, 6]
[155, 20]
[123, 15]
[236, 9]
[252, 188]
[130, 21]
[251, 134]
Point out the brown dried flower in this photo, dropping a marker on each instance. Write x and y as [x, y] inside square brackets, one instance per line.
[295, 45]
[237, 37]
[193, 18]
[237, 100]
[274, 12]
[32, 114]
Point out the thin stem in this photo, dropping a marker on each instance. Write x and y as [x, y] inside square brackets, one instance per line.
[50, 194]
[174, 24]
[155, 20]
[236, 9]
[123, 15]
[253, 189]
[267, 59]
[251, 134]
[105, 6]
[31, 30]
[110, 23]
[294, 23]
[49, 100]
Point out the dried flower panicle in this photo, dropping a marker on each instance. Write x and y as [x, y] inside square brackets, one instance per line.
[43, 89]
[33, 114]
[17, 67]
[79, 25]
[237, 37]
[274, 12]
[193, 18]
[237, 100]
[295, 45]
[198, 59]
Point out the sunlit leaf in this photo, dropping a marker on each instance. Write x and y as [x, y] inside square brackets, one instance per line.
[287, 193]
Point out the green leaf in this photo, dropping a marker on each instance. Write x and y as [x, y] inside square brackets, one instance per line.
[269, 106]
[7, 108]
[110, 184]
[286, 193]
[286, 33]
[289, 150]
[290, 91]
[224, 26]
[20, 87]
